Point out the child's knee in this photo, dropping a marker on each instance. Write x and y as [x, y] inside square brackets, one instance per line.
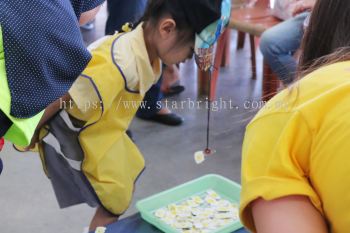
[102, 218]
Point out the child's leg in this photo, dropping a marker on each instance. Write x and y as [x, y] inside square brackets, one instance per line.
[102, 218]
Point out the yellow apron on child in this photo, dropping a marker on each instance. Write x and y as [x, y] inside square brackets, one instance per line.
[112, 162]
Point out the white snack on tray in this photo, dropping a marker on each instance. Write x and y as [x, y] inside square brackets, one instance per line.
[100, 230]
[160, 213]
[203, 213]
[213, 194]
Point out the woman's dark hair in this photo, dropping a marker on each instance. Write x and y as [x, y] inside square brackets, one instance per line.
[327, 39]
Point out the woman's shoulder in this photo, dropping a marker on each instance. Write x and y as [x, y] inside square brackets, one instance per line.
[314, 95]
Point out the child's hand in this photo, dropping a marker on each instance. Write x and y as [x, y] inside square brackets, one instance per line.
[34, 141]
[50, 111]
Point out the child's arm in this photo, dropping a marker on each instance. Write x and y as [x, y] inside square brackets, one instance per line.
[50, 111]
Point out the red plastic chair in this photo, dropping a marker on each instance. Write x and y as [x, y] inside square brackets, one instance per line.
[2, 142]
[254, 21]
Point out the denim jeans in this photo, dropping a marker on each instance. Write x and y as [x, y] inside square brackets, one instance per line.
[278, 45]
[152, 101]
[123, 11]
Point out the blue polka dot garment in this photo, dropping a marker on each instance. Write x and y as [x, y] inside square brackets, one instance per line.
[44, 50]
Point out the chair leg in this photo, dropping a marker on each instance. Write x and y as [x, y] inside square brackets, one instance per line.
[253, 55]
[240, 40]
[270, 83]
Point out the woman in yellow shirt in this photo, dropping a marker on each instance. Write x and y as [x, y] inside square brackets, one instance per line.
[295, 165]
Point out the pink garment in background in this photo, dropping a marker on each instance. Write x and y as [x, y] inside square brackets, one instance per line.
[283, 8]
[2, 142]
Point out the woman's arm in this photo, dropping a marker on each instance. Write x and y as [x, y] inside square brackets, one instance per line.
[288, 215]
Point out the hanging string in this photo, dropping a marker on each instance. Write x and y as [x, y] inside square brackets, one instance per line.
[207, 150]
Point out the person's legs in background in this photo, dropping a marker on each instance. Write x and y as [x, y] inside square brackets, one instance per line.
[120, 12]
[123, 11]
[153, 109]
[171, 81]
[278, 45]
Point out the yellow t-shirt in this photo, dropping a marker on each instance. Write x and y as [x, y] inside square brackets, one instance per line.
[299, 144]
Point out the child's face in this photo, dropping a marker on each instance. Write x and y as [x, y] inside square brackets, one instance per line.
[171, 46]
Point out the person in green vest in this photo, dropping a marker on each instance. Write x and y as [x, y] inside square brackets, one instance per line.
[41, 54]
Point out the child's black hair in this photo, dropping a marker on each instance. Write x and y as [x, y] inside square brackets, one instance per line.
[190, 16]
[156, 9]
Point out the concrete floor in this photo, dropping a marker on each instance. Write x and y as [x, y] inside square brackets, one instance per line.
[27, 201]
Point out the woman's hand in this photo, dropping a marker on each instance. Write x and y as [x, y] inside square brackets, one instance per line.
[302, 6]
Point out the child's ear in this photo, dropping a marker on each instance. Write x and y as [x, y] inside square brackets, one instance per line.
[166, 28]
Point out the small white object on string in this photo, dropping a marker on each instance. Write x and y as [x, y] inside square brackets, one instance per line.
[199, 157]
